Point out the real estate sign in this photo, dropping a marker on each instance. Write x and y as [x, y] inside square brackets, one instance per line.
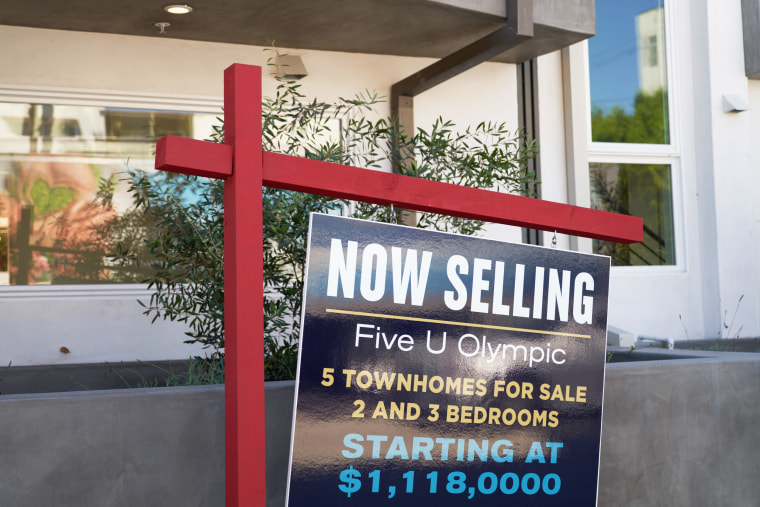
[441, 369]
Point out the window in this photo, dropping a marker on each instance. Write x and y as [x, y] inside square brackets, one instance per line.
[653, 56]
[632, 154]
[641, 190]
[62, 201]
[628, 73]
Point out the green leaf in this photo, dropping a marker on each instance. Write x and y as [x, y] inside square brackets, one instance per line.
[47, 200]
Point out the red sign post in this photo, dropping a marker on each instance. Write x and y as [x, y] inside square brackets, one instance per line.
[245, 167]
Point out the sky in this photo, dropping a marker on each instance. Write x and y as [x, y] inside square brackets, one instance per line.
[612, 52]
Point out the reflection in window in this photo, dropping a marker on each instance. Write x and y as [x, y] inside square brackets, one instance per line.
[639, 190]
[63, 204]
[628, 73]
[4, 250]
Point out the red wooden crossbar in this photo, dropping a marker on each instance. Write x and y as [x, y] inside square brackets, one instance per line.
[189, 156]
[245, 167]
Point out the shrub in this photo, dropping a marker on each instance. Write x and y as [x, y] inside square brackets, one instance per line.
[186, 241]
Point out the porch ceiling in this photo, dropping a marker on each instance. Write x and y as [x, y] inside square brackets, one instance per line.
[429, 28]
[397, 27]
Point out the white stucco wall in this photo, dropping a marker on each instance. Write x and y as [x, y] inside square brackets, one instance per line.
[717, 160]
[733, 147]
[753, 94]
[552, 150]
[173, 67]
[106, 324]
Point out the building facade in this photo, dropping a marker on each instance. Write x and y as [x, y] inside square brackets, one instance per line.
[654, 116]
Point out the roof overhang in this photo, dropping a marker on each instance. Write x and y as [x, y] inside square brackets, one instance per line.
[426, 28]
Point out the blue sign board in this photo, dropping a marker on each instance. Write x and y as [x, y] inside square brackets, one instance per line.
[444, 369]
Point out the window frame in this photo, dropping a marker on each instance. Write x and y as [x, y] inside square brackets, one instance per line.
[677, 198]
[640, 153]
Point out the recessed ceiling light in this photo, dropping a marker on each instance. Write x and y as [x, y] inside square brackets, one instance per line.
[178, 9]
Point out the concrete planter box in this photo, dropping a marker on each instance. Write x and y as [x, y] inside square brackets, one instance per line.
[129, 447]
[675, 432]
[682, 432]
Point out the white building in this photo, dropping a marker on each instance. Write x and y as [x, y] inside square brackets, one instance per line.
[692, 170]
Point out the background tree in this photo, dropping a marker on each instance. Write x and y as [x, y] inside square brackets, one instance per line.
[648, 124]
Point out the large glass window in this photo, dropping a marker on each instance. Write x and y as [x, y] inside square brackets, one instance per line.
[62, 197]
[631, 124]
[628, 73]
[640, 190]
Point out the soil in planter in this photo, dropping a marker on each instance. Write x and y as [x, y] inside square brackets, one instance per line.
[87, 377]
[722, 345]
